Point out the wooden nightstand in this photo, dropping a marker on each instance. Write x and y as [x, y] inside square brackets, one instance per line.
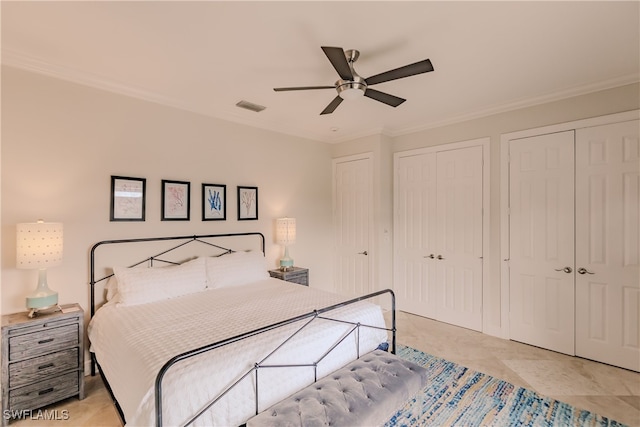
[295, 275]
[42, 359]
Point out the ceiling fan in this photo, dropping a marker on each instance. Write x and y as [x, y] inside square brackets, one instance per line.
[351, 85]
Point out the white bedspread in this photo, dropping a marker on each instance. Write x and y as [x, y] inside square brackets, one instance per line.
[132, 343]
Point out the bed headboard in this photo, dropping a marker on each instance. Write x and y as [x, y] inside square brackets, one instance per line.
[162, 250]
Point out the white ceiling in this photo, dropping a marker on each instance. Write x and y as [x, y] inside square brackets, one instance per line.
[206, 56]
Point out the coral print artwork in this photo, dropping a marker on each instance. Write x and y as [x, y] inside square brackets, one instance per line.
[175, 200]
[214, 202]
[247, 203]
[127, 198]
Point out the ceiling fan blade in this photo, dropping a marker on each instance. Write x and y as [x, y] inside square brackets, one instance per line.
[332, 106]
[385, 98]
[402, 72]
[282, 89]
[339, 61]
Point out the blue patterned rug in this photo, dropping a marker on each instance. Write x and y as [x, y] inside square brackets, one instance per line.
[458, 396]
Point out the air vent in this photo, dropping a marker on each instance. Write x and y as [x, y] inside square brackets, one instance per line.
[250, 106]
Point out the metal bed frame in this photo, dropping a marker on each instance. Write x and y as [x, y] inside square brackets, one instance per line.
[310, 317]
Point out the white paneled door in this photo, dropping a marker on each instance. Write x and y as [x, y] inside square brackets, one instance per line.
[459, 237]
[438, 234]
[352, 219]
[541, 197]
[574, 252]
[415, 234]
[607, 244]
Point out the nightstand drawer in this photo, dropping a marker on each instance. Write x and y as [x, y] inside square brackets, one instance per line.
[41, 325]
[45, 341]
[42, 367]
[300, 279]
[44, 392]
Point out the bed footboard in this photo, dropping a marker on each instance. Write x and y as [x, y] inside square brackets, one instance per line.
[323, 313]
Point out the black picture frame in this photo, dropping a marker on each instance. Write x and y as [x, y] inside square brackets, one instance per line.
[247, 203]
[176, 200]
[128, 198]
[214, 202]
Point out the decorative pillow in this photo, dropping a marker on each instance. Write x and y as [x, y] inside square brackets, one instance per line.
[237, 268]
[143, 285]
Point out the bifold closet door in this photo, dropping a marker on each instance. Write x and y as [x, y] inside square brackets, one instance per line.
[541, 239]
[608, 244]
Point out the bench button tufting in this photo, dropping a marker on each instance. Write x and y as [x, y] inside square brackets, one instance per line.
[337, 393]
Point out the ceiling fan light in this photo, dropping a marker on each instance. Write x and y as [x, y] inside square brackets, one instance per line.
[351, 93]
[351, 89]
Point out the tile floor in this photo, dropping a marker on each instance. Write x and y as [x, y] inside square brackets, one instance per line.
[603, 389]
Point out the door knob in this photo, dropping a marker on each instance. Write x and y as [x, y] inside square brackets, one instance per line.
[583, 270]
[566, 269]
[432, 256]
[439, 257]
[363, 253]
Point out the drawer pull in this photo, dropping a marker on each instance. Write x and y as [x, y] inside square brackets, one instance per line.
[45, 341]
[48, 390]
[48, 365]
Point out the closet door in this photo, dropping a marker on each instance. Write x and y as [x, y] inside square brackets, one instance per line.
[607, 244]
[415, 233]
[459, 237]
[541, 234]
[438, 234]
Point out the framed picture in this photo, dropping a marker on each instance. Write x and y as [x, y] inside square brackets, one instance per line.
[127, 198]
[214, 202]
[247, 203]
[175, 200]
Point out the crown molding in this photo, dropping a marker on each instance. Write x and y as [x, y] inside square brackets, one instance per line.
[28, 63]
[25, 62]
[522, 103]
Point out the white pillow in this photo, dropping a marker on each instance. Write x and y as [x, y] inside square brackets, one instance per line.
[112, 288]
[235, 269]
[112, 284]
[143, 285]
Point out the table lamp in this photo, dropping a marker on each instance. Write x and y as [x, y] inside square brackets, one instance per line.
[286, 235]
[39, 247]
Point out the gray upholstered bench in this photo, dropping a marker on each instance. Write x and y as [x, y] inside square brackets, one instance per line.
[366, 392]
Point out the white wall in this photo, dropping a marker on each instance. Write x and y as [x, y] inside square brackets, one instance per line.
[61, 142]
[624, 98]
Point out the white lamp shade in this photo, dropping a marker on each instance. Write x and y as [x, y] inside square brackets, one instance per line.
[38, 245]
[286, 231]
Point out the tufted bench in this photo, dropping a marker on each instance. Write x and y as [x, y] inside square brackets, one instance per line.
[366, 392]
